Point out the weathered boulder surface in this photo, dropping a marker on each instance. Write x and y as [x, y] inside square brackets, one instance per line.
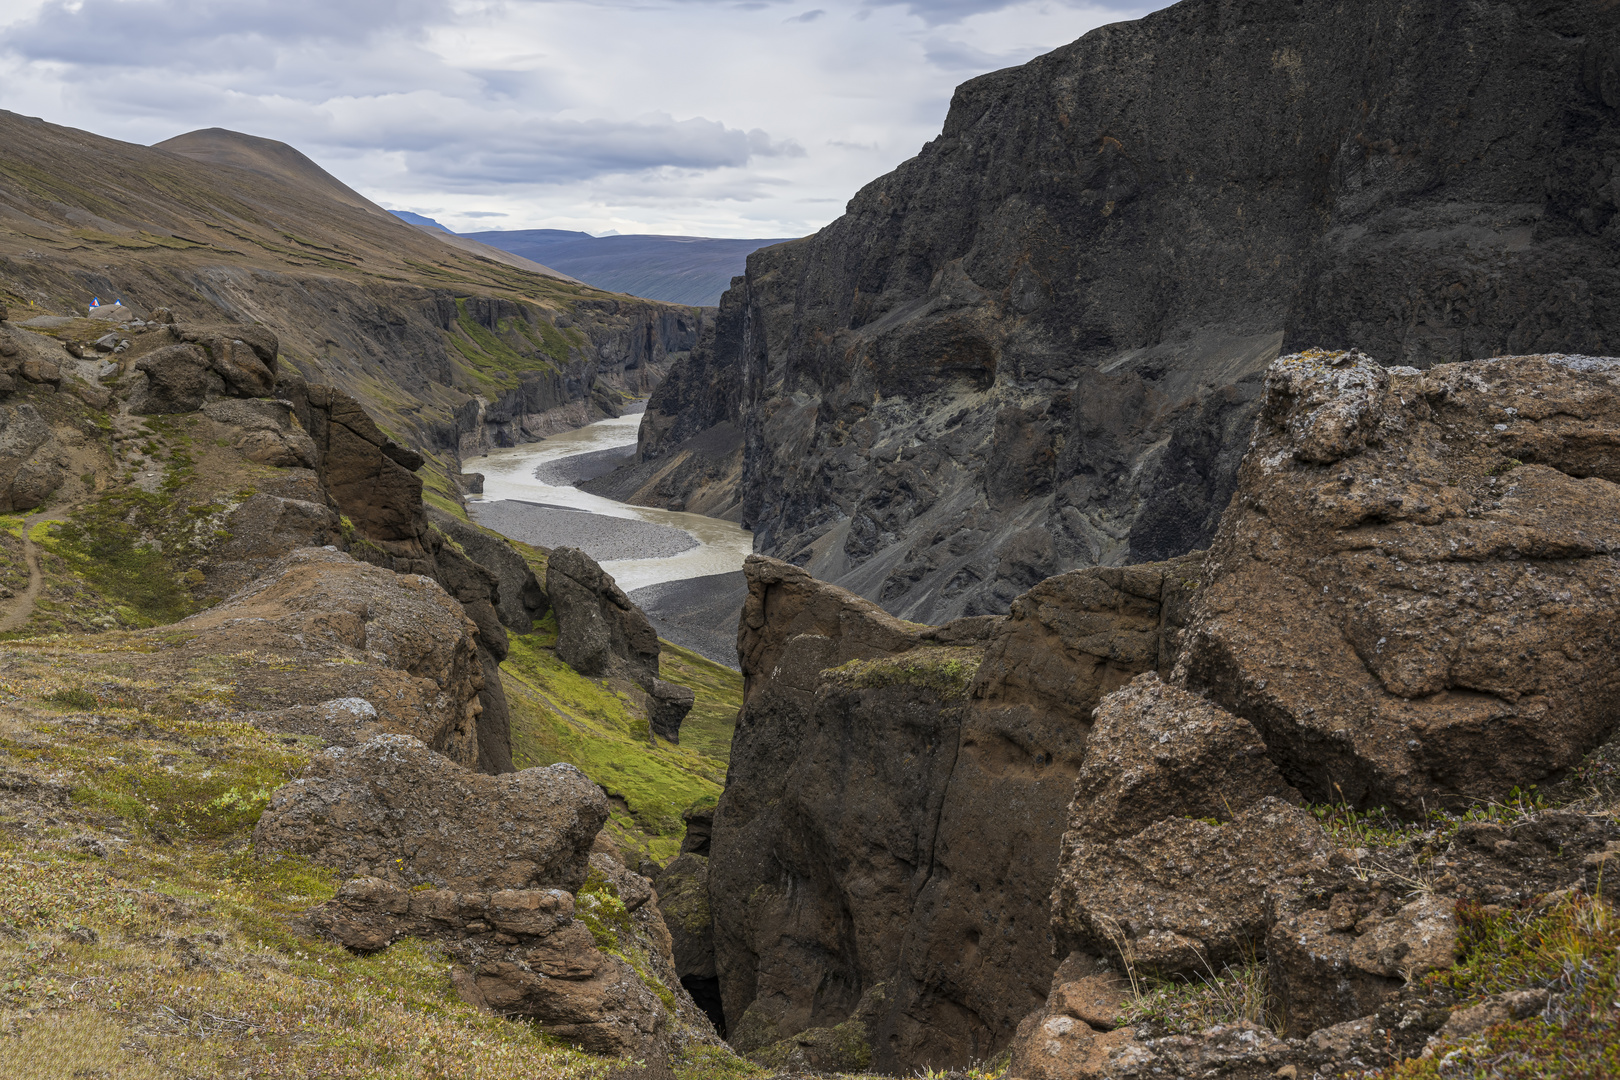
[397, 642]
[599, 631]
[264, 431]
[1411, 596]
[1179, 825]
[31, 459]
[1329, 965]
[539, 953]
[895, 804]
[176, 381]
[1039, 344]
[243, 357]
[393, 809]
[1074, 1036]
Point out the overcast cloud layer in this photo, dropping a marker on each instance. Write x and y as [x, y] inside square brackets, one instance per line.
[706, 117]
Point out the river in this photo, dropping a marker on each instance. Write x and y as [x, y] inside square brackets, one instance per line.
[509, 474]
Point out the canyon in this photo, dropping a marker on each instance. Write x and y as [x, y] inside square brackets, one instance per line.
[1039, 344]
[1177, 643]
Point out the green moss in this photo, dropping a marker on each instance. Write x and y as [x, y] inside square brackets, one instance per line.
[599, 907]
[699, 1062]
[1572, 950]
[559, 715]
[946, 671]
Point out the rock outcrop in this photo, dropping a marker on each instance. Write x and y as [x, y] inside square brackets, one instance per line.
[1179, 825]
[1410, 597]
[393, 809]
[600, 632]
[541, 926]
[887, 843]
[1040, 343]
[395, 646]
[31, 458]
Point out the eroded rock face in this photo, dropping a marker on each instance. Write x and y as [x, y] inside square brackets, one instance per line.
[1179, 824]
[396, 641]
[176, 381]
[393, 809]
[1411, 596]
[599, 631]
[242, 356]
[895, 804]
[31, 459]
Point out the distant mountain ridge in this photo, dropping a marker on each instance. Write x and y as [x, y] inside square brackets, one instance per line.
[675, 269]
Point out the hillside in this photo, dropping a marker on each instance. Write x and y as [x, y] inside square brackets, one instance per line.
[675, 269]
[1039, 344]
[452, 349]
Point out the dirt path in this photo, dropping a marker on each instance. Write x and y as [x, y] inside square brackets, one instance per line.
[22, 607]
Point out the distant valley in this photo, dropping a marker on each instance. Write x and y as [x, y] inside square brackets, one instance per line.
[692, 270]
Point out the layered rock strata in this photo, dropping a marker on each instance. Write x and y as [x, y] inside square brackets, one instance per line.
[1040, 343]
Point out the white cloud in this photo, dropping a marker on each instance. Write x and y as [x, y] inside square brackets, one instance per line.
[698, 116]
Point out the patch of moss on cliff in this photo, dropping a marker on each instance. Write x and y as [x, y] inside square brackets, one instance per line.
[946, 670]
[559, 715]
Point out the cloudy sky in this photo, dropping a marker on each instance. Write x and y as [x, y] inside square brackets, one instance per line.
[757, 118]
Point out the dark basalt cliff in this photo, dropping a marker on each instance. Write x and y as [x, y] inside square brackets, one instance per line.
[1038, 345]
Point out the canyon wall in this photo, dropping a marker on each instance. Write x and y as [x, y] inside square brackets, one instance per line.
[1039, 344]
[1403, 609]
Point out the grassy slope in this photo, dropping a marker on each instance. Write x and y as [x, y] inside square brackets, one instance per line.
[560, 715]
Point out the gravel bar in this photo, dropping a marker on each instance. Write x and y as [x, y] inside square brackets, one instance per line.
[602, 538]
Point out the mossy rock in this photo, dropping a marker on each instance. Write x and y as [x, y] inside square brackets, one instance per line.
[945, 670]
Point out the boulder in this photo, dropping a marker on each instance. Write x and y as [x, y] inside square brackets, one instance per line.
[1410, 594]
[1076, 1033]
[667, 706]
[398, 641]
[265, 528]
[1334, 955]
[32, 461]
[537, 954]
[1179, 824]
[47, 372]
[176, 381]
[599, 631]
[244, 357]
[391, 808]
[264, 431]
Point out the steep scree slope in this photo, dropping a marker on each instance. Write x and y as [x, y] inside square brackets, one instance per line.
[1038, 344]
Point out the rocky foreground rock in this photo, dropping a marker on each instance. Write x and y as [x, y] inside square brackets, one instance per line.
[1404, 603]
[508, 874]
[1411, 595]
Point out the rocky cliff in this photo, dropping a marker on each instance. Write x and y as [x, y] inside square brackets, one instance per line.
[1039, 344]
[882, 857]
[1395, 617]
